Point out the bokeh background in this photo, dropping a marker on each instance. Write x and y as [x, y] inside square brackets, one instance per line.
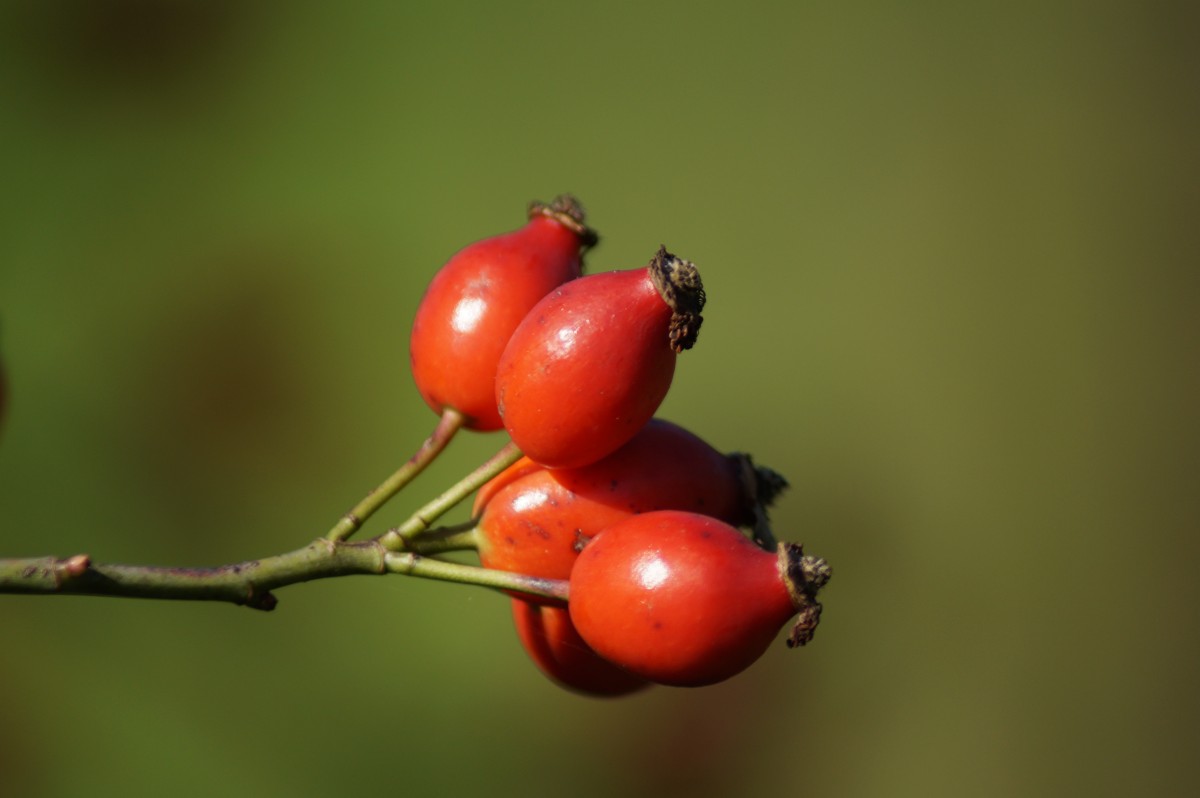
[951, 257]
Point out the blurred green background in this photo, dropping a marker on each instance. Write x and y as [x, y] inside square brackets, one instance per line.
[951, 257]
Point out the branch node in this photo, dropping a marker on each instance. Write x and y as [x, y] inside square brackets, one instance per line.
[75, 567]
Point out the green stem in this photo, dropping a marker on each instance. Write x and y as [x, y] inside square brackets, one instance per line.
[438, 541]
[398, 538]
[449, 424]
[250, 583]
[416, 565]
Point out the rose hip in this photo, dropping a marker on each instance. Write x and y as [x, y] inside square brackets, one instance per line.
[551, 641]
[592, 361]
[534, 520]
[478, 298]
[683, 599]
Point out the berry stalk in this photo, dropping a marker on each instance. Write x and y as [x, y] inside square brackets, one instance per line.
[412, 564]
[450, 423]
[399, 538]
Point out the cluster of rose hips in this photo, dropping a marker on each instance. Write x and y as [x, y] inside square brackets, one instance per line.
[637, 513]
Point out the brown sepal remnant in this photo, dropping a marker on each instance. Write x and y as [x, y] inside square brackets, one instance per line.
[769, 483]
[679, 283]
[567, 211]
[760, 487]
[804, 575]
[806, 625]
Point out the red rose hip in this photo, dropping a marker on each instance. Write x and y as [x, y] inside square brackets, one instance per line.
[534, 520]
[550, 640]
[478, 298]
[593, 360]
[682, 599]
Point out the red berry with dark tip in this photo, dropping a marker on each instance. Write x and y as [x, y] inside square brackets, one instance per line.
[682, 599]
[551, 641]
[478, 298]
[593, 360]
[534, 520]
